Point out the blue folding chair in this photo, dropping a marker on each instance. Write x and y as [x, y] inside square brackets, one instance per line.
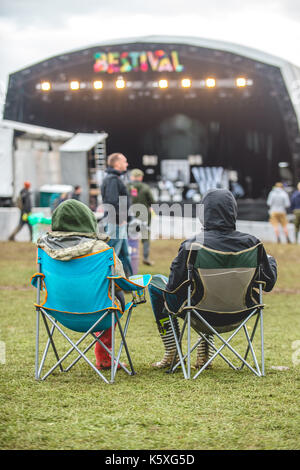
[80, 296]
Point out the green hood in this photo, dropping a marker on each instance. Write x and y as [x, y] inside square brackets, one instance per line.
[74, 216]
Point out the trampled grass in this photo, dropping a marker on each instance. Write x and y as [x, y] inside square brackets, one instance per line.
[222, 409]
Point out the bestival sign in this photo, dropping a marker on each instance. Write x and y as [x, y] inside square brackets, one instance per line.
[156, 61]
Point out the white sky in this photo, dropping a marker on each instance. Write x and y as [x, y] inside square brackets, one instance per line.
[33, 30]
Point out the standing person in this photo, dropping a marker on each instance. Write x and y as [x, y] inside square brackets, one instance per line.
[76, 193]
[140, 193]
[25, 206]
[278, 201]
[113, 188]
[295, 207]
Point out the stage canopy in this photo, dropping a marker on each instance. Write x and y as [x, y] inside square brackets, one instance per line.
[162, 97]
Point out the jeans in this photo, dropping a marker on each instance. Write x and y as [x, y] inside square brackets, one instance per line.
[156, 293]
[118, 241]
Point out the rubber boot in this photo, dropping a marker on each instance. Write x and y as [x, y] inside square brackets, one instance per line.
[103, 359]
[204, 352]
[168, 340]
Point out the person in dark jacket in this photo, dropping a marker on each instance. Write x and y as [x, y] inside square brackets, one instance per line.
[25, 206]
[115, 200]
[220, 213]
[295, 207]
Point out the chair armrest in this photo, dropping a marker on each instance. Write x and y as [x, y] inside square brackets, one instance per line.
[257, 283]
[133, 283]
[173, 299]
[35, 277]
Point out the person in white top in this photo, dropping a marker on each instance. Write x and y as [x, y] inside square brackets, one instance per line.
[278, 202]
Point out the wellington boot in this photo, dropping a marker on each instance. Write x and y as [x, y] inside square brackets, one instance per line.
[204, 352]
[168, 340]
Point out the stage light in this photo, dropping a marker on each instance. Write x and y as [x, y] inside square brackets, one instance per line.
[210, 82]
[240, 82]
[46, 86]
[98, 84]
[186, 83]
[74, 85]
[120, 83]
[163, 83]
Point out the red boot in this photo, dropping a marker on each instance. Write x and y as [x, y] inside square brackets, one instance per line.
[103, 359]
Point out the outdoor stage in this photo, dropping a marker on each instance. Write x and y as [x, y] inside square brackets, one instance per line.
[174, 106]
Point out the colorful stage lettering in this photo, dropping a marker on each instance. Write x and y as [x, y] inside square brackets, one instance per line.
[156, 61]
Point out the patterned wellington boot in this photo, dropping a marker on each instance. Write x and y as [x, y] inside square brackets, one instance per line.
[168, 340]
[204, 352]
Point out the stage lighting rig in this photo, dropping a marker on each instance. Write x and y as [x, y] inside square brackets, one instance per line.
[163, 83]
[186, 83]
[98, 84]
[210, 82]
[74, 85]
[45, 86]
[120, 83]
[241, 82]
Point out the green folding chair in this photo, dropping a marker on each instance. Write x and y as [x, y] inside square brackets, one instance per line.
[226, 295]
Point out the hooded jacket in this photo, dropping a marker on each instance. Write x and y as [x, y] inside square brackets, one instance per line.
[278, 200]
[74, 233]
[220, 213]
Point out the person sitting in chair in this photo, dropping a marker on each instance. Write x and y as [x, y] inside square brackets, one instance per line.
[220, 213]
[75, 233]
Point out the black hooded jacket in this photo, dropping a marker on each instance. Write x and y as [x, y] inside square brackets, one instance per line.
[220, 213]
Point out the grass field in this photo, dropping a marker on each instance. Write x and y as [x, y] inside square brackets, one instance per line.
[222, 409]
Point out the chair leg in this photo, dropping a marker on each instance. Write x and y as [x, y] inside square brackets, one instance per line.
[178, 347]
[112, 376]
[74, 346]
[225, 343]
[189, 344]
[37, 337]
[262, 343]
[51, 340]
[252, 350]
[251, 339]
[126, 348]
[82, 354]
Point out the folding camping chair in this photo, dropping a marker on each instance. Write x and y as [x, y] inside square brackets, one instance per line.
[218, 302]
[80, 296]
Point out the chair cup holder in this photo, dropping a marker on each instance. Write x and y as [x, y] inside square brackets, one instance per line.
[139, 297]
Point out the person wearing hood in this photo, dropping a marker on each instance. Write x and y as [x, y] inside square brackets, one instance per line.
[278, 201]
[219, 233]
[140, 193]
[75, 233]
[115, 200]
